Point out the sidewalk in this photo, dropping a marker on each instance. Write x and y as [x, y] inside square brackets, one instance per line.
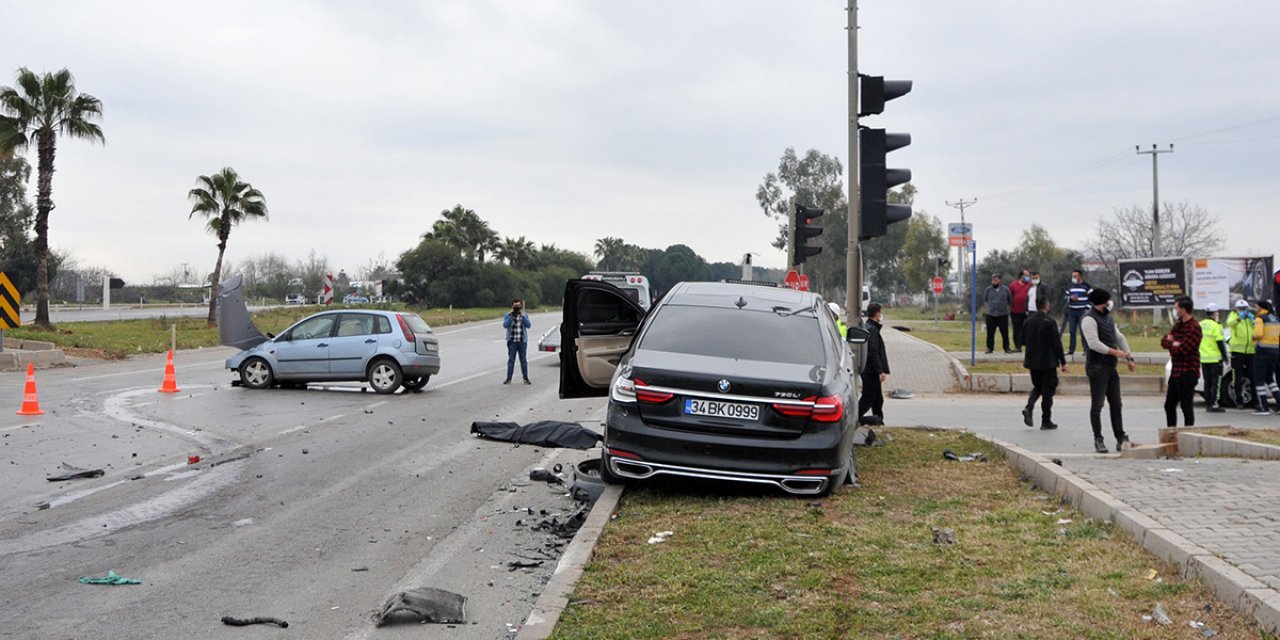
[916, 365]
[1195, 509]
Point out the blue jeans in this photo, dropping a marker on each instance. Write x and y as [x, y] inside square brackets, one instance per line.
[518, 348]
[1074, 316]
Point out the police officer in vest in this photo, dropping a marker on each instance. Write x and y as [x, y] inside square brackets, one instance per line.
[1104, 347]
[1213, 356]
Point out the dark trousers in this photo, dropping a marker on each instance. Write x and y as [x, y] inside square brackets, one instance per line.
[1264, 376]
[518, 349]
[1212, 383]
[1001, 323]
[1017, 319]
[1044, 384]
[872, 395]
[1242, 366]
[1104, 386]
[1181, 393]
[1074, 316]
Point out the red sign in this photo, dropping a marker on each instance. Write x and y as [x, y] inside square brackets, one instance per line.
[937, 286]
[804, 282]
[792, 280]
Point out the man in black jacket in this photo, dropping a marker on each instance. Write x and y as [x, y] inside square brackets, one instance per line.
[1042, 359]
[876, 370]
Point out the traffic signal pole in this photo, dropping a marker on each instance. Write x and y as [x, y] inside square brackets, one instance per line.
[853, 257]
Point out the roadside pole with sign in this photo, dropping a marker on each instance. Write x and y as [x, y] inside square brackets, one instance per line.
[10, 307]
[936, 285]
[973, 305]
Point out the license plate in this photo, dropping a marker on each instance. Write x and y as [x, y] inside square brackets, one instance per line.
[721, 409]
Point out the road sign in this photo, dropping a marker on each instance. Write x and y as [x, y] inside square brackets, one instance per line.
[326, 295]
[10, 312]
[973, 245]
[937, 286]
[958, 233]
[792, 280]
[804, 282]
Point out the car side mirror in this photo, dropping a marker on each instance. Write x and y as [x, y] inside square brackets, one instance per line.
[856, 335]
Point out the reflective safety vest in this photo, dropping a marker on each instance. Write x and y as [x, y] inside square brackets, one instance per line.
[1241, 333]
[1266, 330]
[1210, 353]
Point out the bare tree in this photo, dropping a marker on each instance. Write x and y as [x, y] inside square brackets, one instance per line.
[1186, 230]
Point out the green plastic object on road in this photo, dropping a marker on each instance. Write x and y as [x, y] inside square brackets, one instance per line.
[111, 578]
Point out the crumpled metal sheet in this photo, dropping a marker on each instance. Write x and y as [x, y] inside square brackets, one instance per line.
[235, 327]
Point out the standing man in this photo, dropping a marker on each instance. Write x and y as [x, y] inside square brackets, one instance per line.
[1240, 339]
[1266, 331]
[1042, 359]
[1018, 307]
[1183, 343]
[1077, 300]
[876, 370]
[1104, 347]
[1033, 293]
[998, 298]
[517, 325]
[1213, 357]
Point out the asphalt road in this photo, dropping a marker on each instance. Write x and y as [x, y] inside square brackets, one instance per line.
[308, 505]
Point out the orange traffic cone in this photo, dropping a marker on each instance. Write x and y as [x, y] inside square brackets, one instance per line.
[30, 404]
[170, 380]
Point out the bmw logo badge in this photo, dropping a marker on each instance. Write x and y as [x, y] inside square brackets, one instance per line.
[723, 386]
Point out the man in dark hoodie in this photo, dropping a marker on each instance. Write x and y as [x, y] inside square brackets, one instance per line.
[1042, 358]
[876, 369]
[1104, 347]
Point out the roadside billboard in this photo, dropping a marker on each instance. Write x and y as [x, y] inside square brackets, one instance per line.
[959, 233]
[1147, 283]
[1222, 281]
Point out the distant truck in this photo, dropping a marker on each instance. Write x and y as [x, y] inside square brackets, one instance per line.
[636, 287]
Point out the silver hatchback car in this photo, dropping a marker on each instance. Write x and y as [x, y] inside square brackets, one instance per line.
[388, 349]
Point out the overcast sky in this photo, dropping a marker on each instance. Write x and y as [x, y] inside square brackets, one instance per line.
[649, 120]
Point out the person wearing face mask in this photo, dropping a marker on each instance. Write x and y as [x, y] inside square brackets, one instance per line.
[1183, 343]
[1104, 347]
[997, 298]
[1266, 331]
[1077, 299]
[1240, 340]
[1018, 308]
[1214, 357]
[1033, 293]
[517, 324]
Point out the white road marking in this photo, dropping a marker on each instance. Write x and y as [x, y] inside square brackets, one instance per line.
[376, 404]
[21, 426]
[488, 372]
[147, 372]
[306, 426]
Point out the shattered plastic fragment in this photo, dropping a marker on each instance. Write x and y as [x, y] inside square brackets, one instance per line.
[112, 578]
[238, 622]
[75, 473]
[426, 604]
[1160, 616]
[943, 536]
[976, 455]
[661, 536]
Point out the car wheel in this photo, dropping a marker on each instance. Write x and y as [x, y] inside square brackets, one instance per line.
[606, 475]
[255, 373]
[385, 376]
[849, 477]
[416, 384]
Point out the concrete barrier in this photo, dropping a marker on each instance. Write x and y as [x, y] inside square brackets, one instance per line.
[1203, 444]
[18, 353]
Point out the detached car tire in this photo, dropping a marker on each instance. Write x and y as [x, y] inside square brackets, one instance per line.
[385, 376]
[255, 373]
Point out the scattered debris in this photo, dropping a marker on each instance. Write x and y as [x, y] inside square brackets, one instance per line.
[193, 459]
[544, 433]
[1057, 461]
[943, 536]
[863, 437]
[523, 564]
[1160, 616]
[1064, 521]
[244, 622]
[542, 475]
[1208, 633]
[587, 485]
[976, 455]
[1152, 573]
[111, 578]
[901, 394]
[75, 473]
[426, 604]
[661, 536]
[564, 529]
[359, 569]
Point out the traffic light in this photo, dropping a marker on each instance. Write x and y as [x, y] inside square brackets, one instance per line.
[807, 227]
[875, 177]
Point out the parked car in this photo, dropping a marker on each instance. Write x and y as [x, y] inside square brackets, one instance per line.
[355, 298]
[719, 381]
[550, 341]
[631, 283]
[387, 349]
[295, 298]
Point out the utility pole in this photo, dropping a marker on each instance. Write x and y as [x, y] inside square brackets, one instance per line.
[1156, 250]
[853, 256]
[961, 204]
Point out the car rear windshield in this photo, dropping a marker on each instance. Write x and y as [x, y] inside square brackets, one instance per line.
[416, 323]
[735, 333]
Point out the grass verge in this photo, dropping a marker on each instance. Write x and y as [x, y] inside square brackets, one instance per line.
[1263, 436]
[863, 564]
[121, 338]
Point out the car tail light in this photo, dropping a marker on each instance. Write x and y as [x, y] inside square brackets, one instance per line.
[648, 396]
[826, 409]
[404, 327]
[813, 472]
[621, 454]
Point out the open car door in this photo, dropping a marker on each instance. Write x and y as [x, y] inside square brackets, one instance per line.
[600, 321]
[235, 327]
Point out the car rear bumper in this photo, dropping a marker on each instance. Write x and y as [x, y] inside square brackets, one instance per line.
[420, 365]
[771, 461]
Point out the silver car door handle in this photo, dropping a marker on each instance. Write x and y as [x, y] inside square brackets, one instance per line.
[322, 344]
[370, 341]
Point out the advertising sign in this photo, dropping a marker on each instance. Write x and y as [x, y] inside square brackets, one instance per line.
[959, 233]
[1222, 281]
[1147, 283]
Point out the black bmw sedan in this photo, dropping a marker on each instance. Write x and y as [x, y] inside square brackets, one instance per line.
[720, 381]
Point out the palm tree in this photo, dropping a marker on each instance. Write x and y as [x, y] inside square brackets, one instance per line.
[610, 251]
[518, 252]
[226, 202]
[41, 107]
[463, 230]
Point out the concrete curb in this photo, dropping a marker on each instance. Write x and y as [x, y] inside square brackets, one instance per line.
[1069, 384]
[17, 353]
[1230, 584]
[1202, 444]
[555, 596]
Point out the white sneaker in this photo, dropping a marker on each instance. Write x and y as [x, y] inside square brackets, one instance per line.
[1261, 412]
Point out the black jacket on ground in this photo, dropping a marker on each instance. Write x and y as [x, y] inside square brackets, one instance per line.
[877, 358]
[1042, 342]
